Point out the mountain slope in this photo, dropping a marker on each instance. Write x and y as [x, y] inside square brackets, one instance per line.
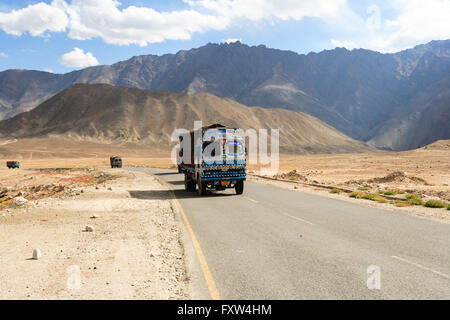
[427, 120]
[106, 113]
[359, 92]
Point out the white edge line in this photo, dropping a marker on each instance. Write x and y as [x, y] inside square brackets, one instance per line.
[250, 199]
[422, 267]
[297, 218]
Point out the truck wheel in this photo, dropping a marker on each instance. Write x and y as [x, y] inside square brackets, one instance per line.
[239, 187]
[187, 183]
[201, 188]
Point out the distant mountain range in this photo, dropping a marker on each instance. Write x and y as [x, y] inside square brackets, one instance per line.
[117, 114]
[395, 101]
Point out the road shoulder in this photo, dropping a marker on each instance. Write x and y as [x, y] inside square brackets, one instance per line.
[134, 252]
[436, 214]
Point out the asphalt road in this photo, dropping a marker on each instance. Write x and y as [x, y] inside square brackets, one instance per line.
[272, 243]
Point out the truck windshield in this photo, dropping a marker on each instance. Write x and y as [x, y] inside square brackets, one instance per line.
[209, 148]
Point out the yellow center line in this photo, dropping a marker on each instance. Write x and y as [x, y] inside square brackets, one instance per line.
[201, 257]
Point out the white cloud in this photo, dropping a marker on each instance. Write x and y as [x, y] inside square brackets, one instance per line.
[3, 55]
[343, 44]
[133, 25]
[418, 22]
[232, 40]
[88, 19]
[256, 10]
[143, 25]
[35, 19]
[78, 59]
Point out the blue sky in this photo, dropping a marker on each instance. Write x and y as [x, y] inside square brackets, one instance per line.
[65, 35]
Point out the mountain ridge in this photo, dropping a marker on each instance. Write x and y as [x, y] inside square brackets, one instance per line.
[358, 91]
[108, 113]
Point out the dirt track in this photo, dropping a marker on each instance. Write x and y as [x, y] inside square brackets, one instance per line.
[134, 251]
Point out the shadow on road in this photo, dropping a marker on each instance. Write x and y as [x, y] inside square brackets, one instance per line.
[176, 183]
[165, 173]
[167, 194]
[151, 194]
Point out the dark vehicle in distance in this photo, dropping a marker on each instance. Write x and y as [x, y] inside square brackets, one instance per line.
[13, 164]
[116, 162]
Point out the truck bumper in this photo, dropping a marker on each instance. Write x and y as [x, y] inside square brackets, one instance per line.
[223, 179]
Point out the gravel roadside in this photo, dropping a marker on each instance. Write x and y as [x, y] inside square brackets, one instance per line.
[121, 240]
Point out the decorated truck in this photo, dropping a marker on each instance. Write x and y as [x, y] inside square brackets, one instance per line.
[213, 158]
[116, 162]
[13, 164]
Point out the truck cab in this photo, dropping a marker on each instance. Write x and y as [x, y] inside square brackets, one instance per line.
[219, 160]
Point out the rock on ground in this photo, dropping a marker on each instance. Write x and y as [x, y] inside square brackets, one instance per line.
[20, 201]
[37, 254]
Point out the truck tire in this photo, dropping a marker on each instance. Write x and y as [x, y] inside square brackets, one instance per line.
[201, 188]
[187, 183]
[239, 187]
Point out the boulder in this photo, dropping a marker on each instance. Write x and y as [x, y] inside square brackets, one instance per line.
[37, 254]
[20, 201]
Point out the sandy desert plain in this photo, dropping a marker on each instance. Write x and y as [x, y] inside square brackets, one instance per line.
[425, 171]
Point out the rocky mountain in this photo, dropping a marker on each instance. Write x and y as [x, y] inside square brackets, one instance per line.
[365, 94]
[107, 113]
[424, 119]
